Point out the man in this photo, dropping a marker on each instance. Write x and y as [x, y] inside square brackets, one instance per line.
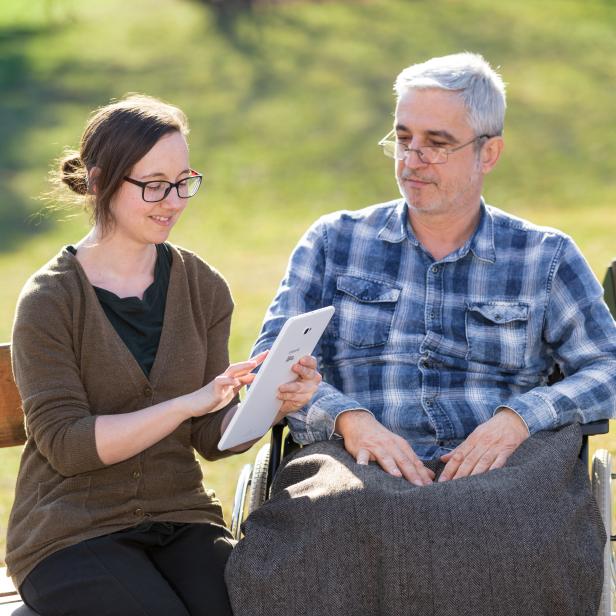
[456, 310]
[450, 317]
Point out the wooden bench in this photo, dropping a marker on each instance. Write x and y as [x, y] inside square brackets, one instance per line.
[12, 433]
[11, 415]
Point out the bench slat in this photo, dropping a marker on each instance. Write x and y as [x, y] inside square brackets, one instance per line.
[6, 585]
[11, 415]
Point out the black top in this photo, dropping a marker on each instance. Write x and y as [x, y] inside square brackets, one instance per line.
[139, 322]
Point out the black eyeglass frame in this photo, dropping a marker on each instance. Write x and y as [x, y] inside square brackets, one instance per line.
[170, 185]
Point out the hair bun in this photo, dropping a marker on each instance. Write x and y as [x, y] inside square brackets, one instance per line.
[73, 174]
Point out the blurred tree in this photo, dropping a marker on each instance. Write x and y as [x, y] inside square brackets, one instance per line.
[227, 14]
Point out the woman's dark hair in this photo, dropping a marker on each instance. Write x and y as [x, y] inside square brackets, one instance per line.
[116, 137]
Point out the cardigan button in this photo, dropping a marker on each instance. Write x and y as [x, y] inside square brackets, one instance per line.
[139, 512]
[136, 474]
[147, 391]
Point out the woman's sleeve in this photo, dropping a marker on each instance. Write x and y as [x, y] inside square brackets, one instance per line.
[57, 413]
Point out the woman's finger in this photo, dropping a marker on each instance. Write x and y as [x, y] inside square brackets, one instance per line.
[246, 379]
[260, 357]
[245, 367]
[240, 368]
[225, 380]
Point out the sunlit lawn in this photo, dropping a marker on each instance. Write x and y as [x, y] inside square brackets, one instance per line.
[286, 106]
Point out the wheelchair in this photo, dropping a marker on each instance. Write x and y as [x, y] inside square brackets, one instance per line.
[255, 479]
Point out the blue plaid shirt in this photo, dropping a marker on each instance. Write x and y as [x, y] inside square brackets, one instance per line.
[433, 348]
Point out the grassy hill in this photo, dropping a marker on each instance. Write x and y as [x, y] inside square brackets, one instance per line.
[286, 103]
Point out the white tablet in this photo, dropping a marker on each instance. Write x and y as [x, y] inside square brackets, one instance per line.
[254, 417]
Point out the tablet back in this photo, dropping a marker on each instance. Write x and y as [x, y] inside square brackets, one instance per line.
[298, 337]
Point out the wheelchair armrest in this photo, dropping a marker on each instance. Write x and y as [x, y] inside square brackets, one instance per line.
[275, 452]
[601, 426]
[279, 448]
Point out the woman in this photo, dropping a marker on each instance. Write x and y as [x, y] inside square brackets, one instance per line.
[120, 355]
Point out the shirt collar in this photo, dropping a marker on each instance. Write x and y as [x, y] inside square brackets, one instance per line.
[397, 227]
[481, 243]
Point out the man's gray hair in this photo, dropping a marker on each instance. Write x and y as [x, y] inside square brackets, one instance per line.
[480, 86]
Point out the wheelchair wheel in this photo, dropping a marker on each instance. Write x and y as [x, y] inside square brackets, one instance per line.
[602, 490]
[258, 482]
[237, 516]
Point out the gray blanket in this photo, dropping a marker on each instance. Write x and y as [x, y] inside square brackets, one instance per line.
[342, 539]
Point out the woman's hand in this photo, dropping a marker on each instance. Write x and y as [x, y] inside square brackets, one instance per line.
[298, 393]
[123, 435]
[219, 392]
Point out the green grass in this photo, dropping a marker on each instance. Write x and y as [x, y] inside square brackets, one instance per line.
[286, 105]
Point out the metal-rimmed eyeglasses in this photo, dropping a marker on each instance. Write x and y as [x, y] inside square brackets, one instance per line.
[427, 154]
[153, 191]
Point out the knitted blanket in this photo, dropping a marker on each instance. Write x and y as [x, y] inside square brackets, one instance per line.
[342, 539]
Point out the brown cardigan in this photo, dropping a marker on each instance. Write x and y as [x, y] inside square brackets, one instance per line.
[70, 365]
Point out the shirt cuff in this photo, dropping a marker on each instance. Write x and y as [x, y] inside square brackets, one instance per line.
[318, 421]
[508, 408]
[536, 411]
[357, 408]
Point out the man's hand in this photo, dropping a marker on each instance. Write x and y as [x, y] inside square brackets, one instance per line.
[368, 440]
[487, 447]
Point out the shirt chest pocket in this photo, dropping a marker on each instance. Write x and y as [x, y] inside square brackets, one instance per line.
[364, 310]
[497, 333]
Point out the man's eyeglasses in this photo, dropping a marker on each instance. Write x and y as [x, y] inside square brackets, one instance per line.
[427, 154]
[157, 190]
